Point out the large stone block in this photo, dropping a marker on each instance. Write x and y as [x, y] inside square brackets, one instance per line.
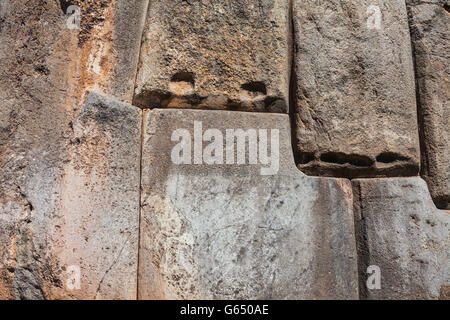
[235, 231]
[37, 74]
[430, 25]
[98, 227]
[129, 21]
[355, 106]
[44, 71]
[400, 231]
[73, 233]
[215, 54]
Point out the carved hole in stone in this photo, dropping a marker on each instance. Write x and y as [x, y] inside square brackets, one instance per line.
[152, 99]
[306, 157]
[183, 76]
[342, 158]
[360, 161]
[255, 87]
[442, 203]
[390, 157]
[182, 83]
[333, 157]
[66, 4]
[275, 105]
[447, 8]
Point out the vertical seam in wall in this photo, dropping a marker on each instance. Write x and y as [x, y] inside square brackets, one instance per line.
[292, 99]
[143, 117]
[140, 50]
[362, 248]
[142, 147]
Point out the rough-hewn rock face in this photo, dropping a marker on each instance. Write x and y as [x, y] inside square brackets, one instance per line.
[400, 230]
[36, 87]
[355, 109]
[430, 25]
[226, 231]
[215, 54]
[109, 44]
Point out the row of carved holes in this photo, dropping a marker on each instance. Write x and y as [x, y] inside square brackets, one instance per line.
[356, 160]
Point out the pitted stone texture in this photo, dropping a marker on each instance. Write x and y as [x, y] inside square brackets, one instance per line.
[215, 54]
[355, 109]
[227, 232]
[99, 226]
[400, 230]
[430, 25]
[110, 40]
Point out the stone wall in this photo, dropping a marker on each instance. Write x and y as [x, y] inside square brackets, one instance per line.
[119, 180]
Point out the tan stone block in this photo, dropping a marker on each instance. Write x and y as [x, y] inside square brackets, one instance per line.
[215, 55]
[227, 231]
[400, 231]
[355, 111]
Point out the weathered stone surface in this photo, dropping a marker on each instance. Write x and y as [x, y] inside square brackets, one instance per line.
[70, 161]
[99, 225]
[78, 218]
[36, 91]
[129, 20]
[430, 25]
[45, 69]
[228, 232]
[400, 230]
[355, 109]
[109, 40]
[215, 54]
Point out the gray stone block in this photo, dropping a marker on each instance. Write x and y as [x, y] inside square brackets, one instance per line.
[400, 231]
[355, 110]
[228, 232]
[430, 25]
